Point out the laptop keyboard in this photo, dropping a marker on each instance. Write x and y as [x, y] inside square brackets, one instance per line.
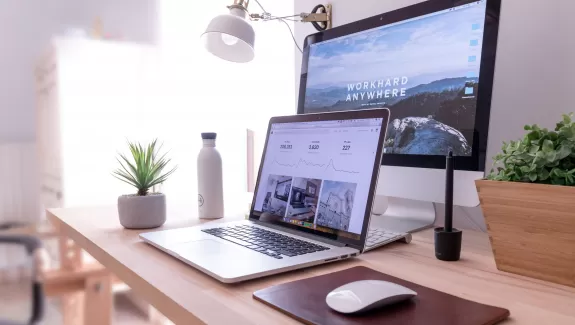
[266, 242]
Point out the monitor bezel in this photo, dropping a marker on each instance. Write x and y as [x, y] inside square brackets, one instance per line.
[330, 116]
[475, 162]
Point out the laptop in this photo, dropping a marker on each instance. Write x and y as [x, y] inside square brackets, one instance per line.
[312, 201]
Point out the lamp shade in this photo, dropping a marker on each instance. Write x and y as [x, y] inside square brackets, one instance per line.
[230, 37]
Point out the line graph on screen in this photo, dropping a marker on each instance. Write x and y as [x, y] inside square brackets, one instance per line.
[306, 163]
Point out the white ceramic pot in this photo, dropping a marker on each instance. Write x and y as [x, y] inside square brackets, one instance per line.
[142, 212]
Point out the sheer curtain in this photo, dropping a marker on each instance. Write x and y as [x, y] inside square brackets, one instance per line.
[204, 93]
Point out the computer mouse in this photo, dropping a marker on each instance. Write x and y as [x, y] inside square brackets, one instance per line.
[362, 296]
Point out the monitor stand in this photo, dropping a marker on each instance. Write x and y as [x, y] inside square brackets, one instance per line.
[402, 215]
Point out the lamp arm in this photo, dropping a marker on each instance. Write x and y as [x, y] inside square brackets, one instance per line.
[315, 17]
[305, 17]
[266, 16]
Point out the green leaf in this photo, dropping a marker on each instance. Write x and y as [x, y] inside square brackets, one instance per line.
[543, 174]
[539, 160]
[567, 132]
[553, 136]
[534, 135]
[123, 180]
[551, 156]
[533, 177]
[553, 164]
[559, 172]
[144, 170]
[547, 146]
[563, 151]
[132, 167]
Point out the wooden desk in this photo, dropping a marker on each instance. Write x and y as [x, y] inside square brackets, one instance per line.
[188, 296]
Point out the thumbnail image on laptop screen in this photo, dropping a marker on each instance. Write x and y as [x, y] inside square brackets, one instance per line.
[424, 69]
[318, 174]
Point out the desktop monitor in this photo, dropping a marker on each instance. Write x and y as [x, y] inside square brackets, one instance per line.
[432, 64]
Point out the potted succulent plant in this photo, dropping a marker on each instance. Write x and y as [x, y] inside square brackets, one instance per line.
[144, 209]
[529, 204]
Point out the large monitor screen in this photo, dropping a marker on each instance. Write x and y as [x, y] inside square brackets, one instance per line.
[426, 70]
[317, 175]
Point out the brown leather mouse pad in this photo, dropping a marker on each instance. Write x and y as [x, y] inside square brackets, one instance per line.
[304, 300]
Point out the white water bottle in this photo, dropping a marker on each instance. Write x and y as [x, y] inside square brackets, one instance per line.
[210, 180]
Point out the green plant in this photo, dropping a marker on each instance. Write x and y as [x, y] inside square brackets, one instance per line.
[542, 156]
[146, 169]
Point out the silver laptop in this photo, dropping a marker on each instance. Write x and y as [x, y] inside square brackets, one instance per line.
[311, 204]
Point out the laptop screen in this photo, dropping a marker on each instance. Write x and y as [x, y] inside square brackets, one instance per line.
[318, 174]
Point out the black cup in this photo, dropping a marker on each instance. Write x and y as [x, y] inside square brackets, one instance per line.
[448, 244]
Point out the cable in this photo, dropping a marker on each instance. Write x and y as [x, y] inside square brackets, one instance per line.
[259, 4]
[290, 19]
[283, 21]
[292, 35]
[284, 17]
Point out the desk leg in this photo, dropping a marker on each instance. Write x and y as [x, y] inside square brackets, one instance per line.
[72, 303]
[70, 254]
[98, 301]
[92, 306]
[73, 308]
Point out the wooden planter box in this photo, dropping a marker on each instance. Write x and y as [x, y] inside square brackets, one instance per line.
[531, 228]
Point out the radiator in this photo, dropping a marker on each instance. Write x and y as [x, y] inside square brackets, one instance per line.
[19, 192]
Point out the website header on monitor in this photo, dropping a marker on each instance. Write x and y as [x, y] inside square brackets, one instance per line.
[426, 70]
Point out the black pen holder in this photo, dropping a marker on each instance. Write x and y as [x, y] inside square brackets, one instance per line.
[448, 244]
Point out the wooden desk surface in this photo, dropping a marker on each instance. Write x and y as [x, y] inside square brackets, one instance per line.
[187, 296]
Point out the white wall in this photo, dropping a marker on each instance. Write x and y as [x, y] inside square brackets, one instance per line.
[535, 73]
[25, 29]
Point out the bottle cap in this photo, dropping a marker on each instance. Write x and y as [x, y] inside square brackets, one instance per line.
[209, 135]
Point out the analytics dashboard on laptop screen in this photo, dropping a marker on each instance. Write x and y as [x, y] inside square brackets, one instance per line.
[424, 69]
[317, 175]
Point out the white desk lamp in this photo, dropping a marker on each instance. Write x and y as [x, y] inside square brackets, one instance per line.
[232, 38]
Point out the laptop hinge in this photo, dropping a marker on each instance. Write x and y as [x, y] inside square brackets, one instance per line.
[300, 233]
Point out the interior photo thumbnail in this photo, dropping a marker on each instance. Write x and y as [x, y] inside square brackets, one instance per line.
[278, 188]
[336, 205]
[303, 200]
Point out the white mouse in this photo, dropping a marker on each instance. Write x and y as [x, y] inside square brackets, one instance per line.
[361, 296]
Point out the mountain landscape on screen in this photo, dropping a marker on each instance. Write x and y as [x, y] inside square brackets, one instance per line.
[445, 118]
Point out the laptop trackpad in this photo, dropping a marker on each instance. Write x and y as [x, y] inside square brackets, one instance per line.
[226, 260]
[199, 247]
